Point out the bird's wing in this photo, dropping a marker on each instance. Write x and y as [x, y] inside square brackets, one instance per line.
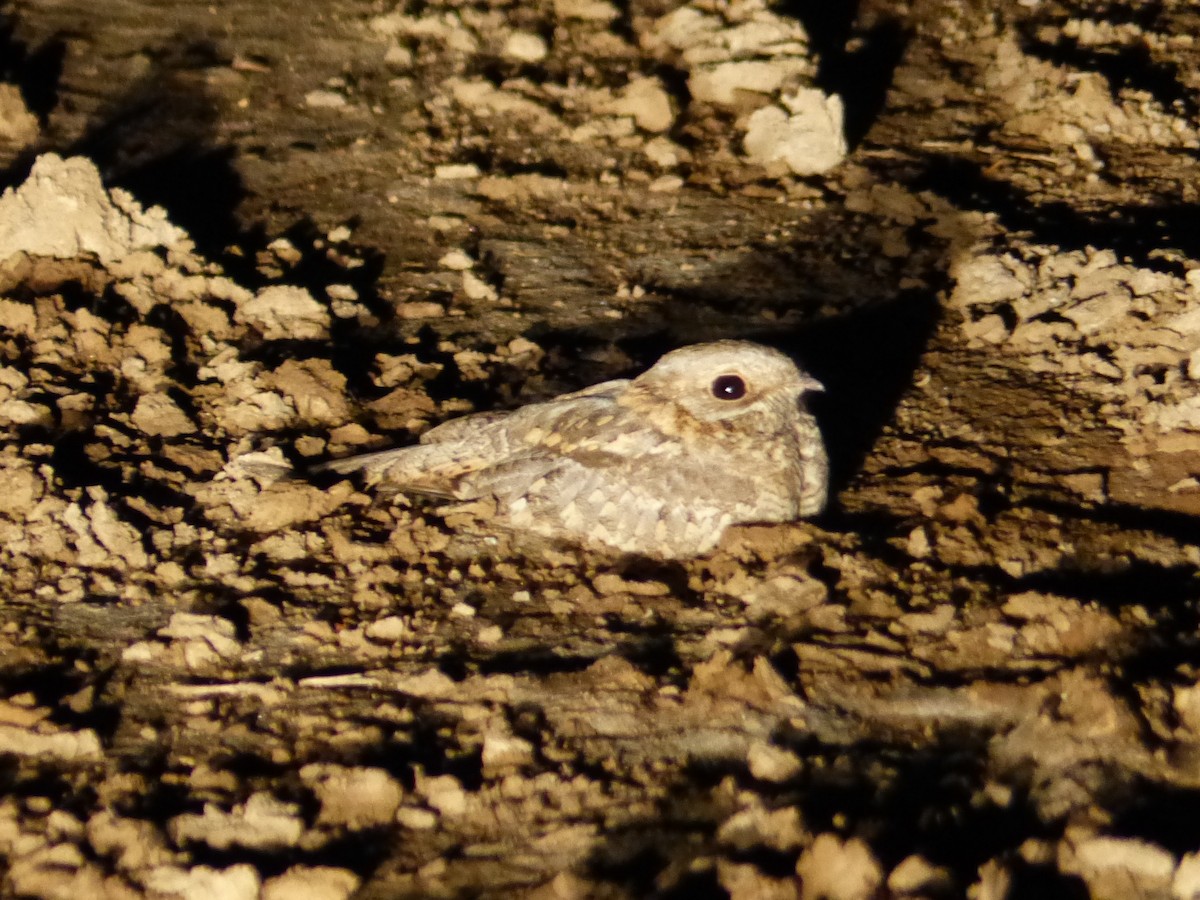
[463, 426]
[606, 389]
[497, 454]
[430, 469]
[466, 426]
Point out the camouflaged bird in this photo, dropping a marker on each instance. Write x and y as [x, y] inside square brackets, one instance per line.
[711, 435]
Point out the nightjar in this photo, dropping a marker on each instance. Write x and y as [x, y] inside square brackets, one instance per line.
[711, 435]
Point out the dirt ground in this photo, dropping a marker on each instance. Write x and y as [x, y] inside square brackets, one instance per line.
[247, 232]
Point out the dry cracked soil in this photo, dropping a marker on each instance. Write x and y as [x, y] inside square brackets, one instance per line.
[242, 234]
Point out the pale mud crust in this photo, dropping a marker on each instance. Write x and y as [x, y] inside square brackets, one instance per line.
[276, 233]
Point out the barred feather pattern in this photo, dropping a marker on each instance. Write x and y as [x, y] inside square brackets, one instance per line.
[711, 435]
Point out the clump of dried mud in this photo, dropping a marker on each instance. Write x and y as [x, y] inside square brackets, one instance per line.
[978, 673]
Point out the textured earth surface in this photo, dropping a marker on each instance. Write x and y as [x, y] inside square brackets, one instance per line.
[241, 233]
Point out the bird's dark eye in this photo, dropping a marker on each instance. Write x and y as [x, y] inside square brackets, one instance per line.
[729, 387]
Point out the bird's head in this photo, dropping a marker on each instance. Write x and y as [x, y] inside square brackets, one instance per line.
[725, 381]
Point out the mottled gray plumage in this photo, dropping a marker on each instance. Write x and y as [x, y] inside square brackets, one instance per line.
[711, 435]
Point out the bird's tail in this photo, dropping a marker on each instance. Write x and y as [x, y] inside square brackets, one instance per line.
[423, 468]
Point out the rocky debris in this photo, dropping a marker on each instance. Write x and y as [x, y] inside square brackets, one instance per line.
[746, 57]
[975, 677]
[19, 128]
[1123, 335]
[805, 131]
[63, 212]
[282, 312]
